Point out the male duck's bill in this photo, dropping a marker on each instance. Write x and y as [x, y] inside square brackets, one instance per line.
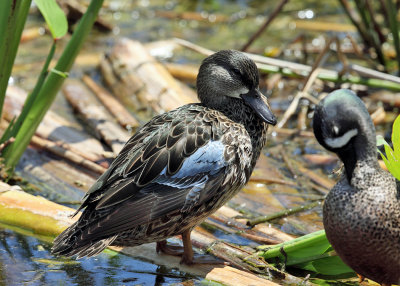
[254, 99]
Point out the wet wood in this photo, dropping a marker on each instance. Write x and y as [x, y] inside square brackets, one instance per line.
[141, 82]
[48, 218]
[313, 25]
[56, 128]
[265, 172]
[95, 115]
[269, 232]
[320, 159]
[63, 152]
[122, 115]
[186, 73]
[317, 178]
[53, 177]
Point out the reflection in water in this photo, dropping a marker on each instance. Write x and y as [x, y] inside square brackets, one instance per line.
[25, 260]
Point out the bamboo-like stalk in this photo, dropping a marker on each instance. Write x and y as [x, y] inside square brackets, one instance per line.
[31, 97]
[283, 213]
[271, 65]
[51, 86]
[333, 77]
[12, 20]
[296, 244]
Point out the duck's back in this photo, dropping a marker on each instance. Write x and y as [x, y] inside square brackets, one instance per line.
[362, 220]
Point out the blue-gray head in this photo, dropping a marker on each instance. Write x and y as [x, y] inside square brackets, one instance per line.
[343, 125]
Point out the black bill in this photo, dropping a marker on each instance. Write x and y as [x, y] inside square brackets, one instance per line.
[254, 99]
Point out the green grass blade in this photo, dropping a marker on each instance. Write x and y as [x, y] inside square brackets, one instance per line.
[7, 133]
[11, 27]
[51, 86]
[315, 243]
[54, 16]
[311, 252]
[31, 97]
[329, 265]
[396, 135]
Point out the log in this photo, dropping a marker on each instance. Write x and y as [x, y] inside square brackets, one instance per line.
[186, 73]
[67, 154]
[94, 114]
[124, 118]
[139, 81]
[56, 128]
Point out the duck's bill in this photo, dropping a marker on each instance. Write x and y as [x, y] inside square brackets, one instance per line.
[254, 98]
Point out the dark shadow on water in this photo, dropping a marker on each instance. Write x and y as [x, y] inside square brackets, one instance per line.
[25, 260]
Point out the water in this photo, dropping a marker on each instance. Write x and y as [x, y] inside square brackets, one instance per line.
[26, 260]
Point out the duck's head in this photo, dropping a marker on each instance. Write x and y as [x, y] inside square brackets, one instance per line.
[228, 75]
[343, 125]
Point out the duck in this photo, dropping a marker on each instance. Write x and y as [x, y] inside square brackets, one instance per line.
[361, 213]
[179, 167]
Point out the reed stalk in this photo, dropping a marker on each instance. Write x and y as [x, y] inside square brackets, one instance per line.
[50, 87]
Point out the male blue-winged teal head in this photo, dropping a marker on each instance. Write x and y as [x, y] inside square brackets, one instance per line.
[231, 75]
[342, 125]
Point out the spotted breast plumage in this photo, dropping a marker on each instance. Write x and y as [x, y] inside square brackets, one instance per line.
[362, 211]
[179, 167]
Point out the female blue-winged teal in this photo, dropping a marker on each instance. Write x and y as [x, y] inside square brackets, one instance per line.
[362, 211]
[178, 168]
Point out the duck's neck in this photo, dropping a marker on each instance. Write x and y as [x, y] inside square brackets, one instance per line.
[361, 151]
[237, 111]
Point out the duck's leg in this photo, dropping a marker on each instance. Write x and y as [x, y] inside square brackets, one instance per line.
[187, 257]
[188, 254]
[360, 278]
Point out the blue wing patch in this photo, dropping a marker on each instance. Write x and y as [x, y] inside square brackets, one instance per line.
[196, 171]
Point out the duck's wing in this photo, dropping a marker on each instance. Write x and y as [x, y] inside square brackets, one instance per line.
[164, 200]
[157, 153]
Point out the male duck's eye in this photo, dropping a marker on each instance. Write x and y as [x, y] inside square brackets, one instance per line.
[236, 72]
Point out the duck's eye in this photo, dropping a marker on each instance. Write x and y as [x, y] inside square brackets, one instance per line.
[236, 71]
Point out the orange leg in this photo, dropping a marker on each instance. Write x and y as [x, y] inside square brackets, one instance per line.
[186, 251]
[360, 278]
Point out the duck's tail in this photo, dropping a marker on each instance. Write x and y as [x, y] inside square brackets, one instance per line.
[69, 243]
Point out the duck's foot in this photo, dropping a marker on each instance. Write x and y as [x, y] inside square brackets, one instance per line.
[174, 250]
[188, 256]
[202, 259]
[360, 278]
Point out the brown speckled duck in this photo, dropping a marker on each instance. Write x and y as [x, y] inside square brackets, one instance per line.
[362, 211]
[179, 167]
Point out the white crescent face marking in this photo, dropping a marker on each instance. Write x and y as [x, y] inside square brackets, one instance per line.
[340, 141]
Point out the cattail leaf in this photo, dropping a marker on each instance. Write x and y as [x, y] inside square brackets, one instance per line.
[54, 16]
